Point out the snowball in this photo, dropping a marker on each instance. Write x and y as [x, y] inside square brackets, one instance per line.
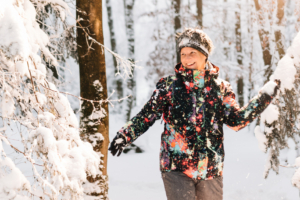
[261, 138]
[270, 114]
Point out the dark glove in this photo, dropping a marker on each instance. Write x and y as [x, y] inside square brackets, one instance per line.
[278, 82]
[117, 145]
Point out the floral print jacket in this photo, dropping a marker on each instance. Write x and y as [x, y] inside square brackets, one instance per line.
[194, 106]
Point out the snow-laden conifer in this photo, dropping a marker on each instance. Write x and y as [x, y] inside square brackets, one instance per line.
[42, 155]
[280, 121]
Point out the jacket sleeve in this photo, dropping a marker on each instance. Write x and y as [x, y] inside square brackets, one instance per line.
[151, 111]
[237, 118]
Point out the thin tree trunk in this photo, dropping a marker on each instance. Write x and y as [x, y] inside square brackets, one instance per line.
[118, 83]
[93, 86]
[264, 41]
[250, 30]
[225, 30]
[238, 44]
[199, 13]
[278, 34]
[297, 13]
[177, 24]
[131, 83]
[240, 90]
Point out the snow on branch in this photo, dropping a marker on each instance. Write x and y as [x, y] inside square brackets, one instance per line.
[123, 65]
[280, 121]
[38, 126]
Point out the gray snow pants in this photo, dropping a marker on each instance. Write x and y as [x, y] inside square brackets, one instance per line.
[179, 186]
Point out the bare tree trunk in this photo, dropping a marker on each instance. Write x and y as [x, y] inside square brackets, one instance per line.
[278, 34]
[93, 86]
[264, 41]
[250, 30]
[177, 24]
[297, 13]
[118, 83]
[131, 83]
[225, 29]
[199, 13]
[238, 44]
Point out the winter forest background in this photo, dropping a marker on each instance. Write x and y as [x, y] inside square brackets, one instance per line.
[51, 138]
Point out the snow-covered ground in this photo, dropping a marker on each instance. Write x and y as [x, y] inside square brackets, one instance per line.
[137, 176]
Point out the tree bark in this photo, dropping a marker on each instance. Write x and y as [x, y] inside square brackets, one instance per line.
[177, 24]
[131, 83]
[250, 31]
[240, 83]
[225, 29]
[93, 86]
[238, 44]
[199, 13]
[264, 41]
[118, 83]
[278, 34]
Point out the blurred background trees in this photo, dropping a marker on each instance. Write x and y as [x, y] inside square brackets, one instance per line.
[250, 37]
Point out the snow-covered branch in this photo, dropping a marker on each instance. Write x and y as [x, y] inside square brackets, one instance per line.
[124, 66]
[48, 133]
[280, 121]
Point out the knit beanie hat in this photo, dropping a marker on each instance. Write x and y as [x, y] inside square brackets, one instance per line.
[197, 39]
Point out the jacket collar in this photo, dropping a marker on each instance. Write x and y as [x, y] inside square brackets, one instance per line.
[193, 78]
